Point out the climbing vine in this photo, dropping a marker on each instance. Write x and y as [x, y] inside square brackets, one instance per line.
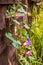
[25, 42]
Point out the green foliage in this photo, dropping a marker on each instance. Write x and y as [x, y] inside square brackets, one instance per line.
[25, 62]
[22, 34]
[26, 26]
[36, 36]
[22, 10]
[34, 13]
[16, 22]
[11, 13]
[15, 42]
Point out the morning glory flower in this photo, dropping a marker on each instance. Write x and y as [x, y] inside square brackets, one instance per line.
[29, 53]
[28, 43]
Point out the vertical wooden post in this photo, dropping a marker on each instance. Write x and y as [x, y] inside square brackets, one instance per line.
[5, 50]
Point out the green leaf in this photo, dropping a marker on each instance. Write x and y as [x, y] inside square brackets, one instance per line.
[9, 36]
[24, 33]
[31, 58]
[19, 42]
[23, 59]
[16, 22]
[26, 26]
[23, 5]
[29, 48]
[22, 50]
[32, 30]
[15, 42]
[14, 7]
[22, 10]
[11, 12]
[15, 45]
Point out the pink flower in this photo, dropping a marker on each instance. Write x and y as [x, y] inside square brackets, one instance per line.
[28, 43]
[29, 53]
[25, 44]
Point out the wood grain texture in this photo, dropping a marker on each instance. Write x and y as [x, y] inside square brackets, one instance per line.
[2, 16]
[6, 1]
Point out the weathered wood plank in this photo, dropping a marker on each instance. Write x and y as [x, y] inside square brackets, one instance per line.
[4, 58]
[2, 16]
[6, 2]
[6, 51]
